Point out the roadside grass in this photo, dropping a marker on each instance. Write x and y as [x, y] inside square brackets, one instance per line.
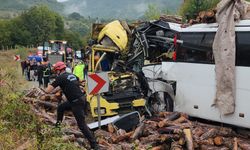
[19, 127]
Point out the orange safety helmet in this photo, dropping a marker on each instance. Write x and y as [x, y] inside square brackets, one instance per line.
[59, 66]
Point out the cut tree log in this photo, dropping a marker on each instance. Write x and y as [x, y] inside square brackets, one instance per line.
[103, 134]
[197, 132]
[159, 147]
[159, 138]
[46, 104]
[170, 130]
[218, 140]
[235, 144]
[211, 133]
[189, 139]
[164, 114]
[173, 116]
[111, 128]
[119, 138]
[138, 131]
[175, 146]
[209, 147]
[243, 144]
[169, 118]
[152, 124]
[104, 142]
[208, 141]
[181, 141]
[180, 120]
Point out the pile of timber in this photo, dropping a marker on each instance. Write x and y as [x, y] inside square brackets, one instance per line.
[205, 17]
[173, 130]
[171, 18]
[166, 130]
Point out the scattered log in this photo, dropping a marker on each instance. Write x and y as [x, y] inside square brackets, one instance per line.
[111, 128]
[104, 142]
[138, 131]
[209, 147]
[235, 144]
[181, 141]
[152, 124]
[218, 140]
[197, 132]
[103, 134]
[126, 146]
[119, 138]
[171, 117]
[164, 114]
[158, 138]
[180, 120]
[159, 147]
[176, 146]
[243, 144]
[189, 139]
[46, 104]
[170, 130]
[208, 141]
[211, 133]
[171, 18]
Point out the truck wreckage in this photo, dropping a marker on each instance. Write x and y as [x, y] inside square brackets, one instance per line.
[161, 55]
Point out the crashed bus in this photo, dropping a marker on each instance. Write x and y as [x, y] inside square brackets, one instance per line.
[179, 64]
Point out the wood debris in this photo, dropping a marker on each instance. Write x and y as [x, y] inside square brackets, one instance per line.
[166, 130]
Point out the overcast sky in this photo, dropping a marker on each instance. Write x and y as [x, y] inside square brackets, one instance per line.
[62, 0]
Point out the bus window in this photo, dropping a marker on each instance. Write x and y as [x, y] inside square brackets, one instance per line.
[197, 47]
[243, 49]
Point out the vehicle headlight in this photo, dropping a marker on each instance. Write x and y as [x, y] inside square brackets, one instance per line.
[102, 111]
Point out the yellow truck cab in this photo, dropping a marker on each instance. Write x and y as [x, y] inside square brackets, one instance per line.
[124, 94]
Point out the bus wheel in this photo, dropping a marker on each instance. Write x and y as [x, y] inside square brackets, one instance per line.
[160, 102]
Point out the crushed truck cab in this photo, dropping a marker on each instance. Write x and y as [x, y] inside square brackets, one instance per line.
[125, 94]
[123, 97]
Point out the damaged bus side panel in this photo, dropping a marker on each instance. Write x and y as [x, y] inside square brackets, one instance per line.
[182, 59]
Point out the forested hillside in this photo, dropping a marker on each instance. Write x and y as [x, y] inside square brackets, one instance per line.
[25, 4]
[129, 9]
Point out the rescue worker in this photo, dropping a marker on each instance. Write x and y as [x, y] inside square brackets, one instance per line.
[76, 100]
[79, 70]
[46, 72]
[40, 74]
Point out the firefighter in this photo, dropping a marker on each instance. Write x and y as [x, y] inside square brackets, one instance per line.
[76, 100]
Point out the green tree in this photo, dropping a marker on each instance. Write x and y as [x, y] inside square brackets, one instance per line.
[5, 34]
[42, 23]
[152, 12]
[19, 33]
[74, 39]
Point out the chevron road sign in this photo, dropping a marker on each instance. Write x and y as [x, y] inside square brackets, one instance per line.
[98, 83]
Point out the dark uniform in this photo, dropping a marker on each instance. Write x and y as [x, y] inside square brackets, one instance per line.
[69, 83]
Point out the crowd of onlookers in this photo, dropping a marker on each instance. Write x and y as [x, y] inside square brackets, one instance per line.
[37, 70]
[40, 70]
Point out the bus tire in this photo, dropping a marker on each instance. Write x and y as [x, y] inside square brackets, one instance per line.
[160, 102]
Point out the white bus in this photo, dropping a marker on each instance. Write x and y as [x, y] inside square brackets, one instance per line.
[192, 74]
